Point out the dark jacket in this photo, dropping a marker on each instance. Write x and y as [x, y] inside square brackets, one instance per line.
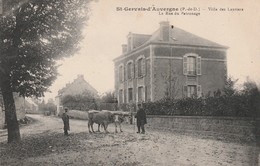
[65, 119]
[141, 117]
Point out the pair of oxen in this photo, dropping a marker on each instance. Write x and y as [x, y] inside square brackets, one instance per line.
[104, 118]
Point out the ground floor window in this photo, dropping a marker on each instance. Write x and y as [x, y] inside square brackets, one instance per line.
[140, 94]
[130, 95]
[191, 91]
[120, 97]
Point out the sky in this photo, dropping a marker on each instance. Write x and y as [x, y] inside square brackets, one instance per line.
[107, 28]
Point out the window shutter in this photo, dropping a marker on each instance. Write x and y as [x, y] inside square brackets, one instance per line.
[185, 65]
[136, 69]
[198, 65]
[143, 67]
[145, 93]
[185, 89]
[116, 74]
[199, 91]
[136, 94]
[124, 72]
[132, 71]
[120, 74]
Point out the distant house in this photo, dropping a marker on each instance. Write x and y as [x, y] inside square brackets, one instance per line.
[78, 87]
[168, 63]
[21, 104]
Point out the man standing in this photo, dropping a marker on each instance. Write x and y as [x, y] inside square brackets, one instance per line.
[65, 118]
[141, 119]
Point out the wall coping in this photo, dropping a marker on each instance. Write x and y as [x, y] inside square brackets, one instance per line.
[204, 117]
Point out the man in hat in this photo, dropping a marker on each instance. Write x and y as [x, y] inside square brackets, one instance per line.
[140, 119]
[65, 118]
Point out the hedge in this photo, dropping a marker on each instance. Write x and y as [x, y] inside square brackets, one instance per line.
[237, 105]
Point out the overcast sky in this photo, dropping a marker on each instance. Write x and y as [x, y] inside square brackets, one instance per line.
[107, 29]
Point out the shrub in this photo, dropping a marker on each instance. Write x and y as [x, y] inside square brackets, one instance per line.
[238, 105]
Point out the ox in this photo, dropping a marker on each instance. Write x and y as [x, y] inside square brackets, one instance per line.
[99, 117]
[118, 118]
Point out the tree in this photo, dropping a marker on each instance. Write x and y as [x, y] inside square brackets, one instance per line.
[171, 82]
[48, 107]
[229, 88]
[83, 101]
[108, 97]
[34, 35]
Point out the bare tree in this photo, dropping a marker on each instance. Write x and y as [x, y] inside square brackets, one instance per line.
[171, 81]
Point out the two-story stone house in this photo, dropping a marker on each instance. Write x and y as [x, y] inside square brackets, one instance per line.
[169, 63]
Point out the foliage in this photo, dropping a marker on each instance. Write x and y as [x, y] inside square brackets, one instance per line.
[34, 35]
[79, 102]
[108, 102]
[243, 104]
[48, 107]
[109, 97]
[229, 88]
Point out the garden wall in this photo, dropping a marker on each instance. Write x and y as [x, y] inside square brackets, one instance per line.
[245, 128]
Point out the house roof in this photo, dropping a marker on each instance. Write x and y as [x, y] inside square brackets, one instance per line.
[78, 86]
[181, 37]
[177, 37]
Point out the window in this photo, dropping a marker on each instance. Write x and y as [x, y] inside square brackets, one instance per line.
[121, 73]
[120, 98]
[130, 95]
[130, 70]
[141, 67]
[140, 94]
[191, 64]
[191, 91]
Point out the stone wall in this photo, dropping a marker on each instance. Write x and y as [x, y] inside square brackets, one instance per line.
[244, 128]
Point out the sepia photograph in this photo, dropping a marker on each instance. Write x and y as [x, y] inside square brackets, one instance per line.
[130, 82]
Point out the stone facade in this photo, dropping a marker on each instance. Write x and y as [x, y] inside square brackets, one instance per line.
[169, 63]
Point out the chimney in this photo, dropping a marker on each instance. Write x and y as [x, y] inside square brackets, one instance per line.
[129, 42]
[165, 30]
[124, 48]
[80, 76]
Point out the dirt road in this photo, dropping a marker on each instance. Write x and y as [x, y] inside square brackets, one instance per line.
[43, 143]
